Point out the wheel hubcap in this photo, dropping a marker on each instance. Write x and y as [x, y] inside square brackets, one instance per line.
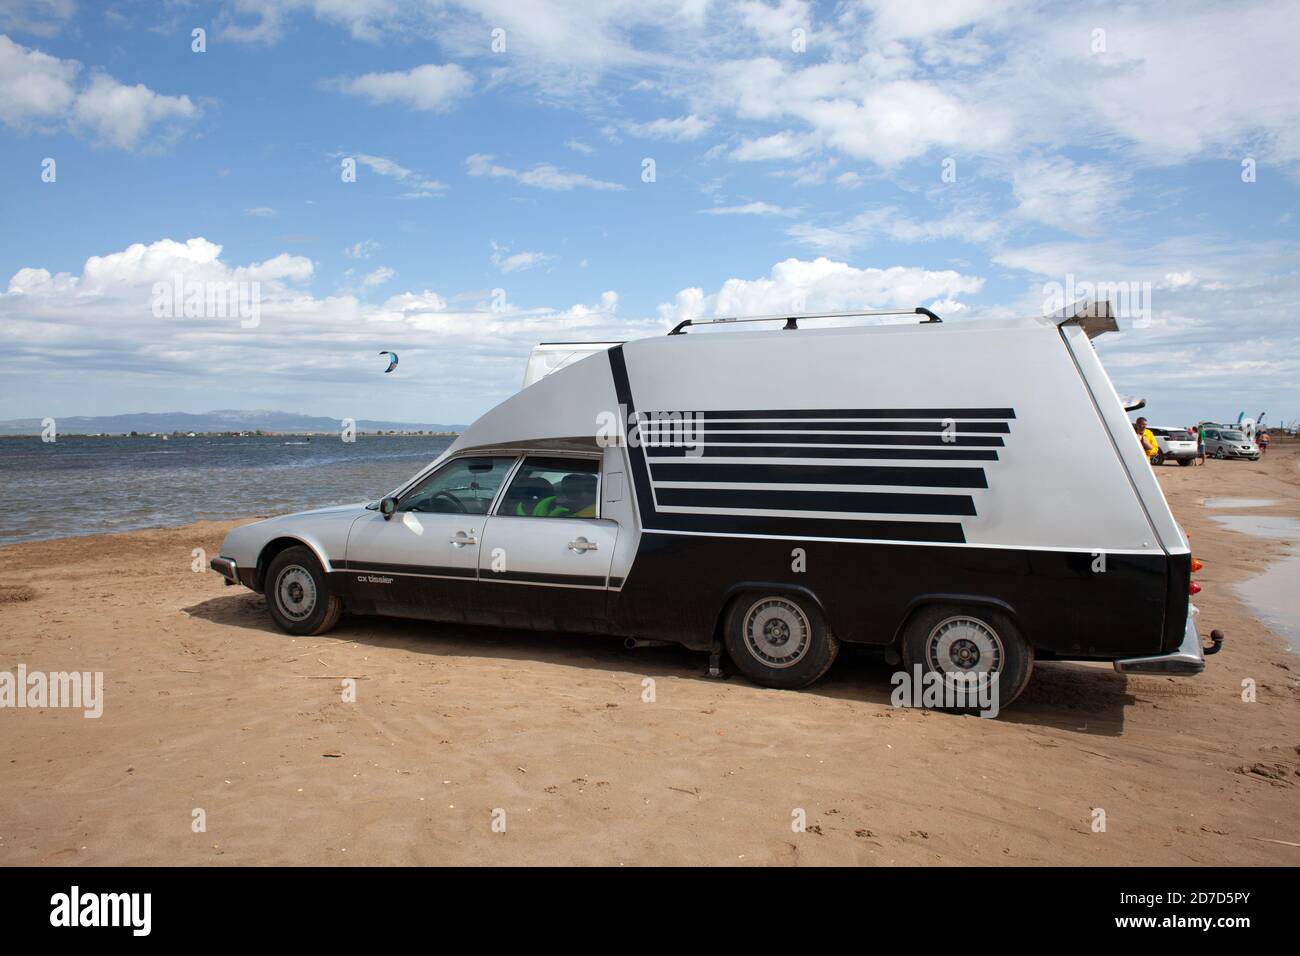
[961, 646]
[777, 632]
[295, 592]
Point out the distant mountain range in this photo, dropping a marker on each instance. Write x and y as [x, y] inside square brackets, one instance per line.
[224, 420]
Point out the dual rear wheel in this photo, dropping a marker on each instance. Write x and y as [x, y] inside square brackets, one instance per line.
[781, 640]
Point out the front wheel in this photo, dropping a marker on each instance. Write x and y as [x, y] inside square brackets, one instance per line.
[779, 640]
[966, 645]
[298, 593]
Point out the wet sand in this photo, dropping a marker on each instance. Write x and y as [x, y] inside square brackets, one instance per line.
[208, 707]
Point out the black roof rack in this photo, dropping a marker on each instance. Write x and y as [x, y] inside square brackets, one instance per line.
[792, 321]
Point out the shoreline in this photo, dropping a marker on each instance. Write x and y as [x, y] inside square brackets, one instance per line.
[208, 706]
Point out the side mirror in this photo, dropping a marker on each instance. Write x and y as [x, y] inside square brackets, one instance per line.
[387, 507]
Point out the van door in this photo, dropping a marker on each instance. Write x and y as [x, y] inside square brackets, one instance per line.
[545, 558]
[424, 559]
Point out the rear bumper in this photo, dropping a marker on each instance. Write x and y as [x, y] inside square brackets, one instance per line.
[1188, 659]
[226, 568]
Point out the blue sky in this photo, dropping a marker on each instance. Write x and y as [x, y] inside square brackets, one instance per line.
[799, 155]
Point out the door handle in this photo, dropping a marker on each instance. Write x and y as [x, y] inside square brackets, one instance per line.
[461, 539]
[582, 546]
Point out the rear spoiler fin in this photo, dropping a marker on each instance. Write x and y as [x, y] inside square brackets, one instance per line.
[1095, 317]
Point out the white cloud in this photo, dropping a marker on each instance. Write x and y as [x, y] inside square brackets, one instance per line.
[541, 176]
[508, 261]
[783, 145]
[362, 250]
[820, 285]
[123, 116]
[749, 209]
[40, 91]
[418, 185]
[39, 17]
[1074, 197]
[908, 20]
[34, 86]
[578, 146]
[429, 87]
[681, 129]
[259, 212]
[266, 21]
[379, 276]
[774, 24]
[305, 347]
[973, 224]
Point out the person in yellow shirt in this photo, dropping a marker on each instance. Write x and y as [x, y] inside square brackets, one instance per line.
[1147, 438]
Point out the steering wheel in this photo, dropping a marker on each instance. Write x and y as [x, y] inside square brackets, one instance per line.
[456, 504]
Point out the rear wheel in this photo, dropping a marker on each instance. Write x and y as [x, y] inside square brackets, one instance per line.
[967, 644]
[1185, 461]
[298, 593]
[779, 640]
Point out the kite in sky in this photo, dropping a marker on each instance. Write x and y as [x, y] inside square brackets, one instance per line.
[392, 361]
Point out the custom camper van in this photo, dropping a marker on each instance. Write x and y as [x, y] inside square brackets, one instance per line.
[966, 498]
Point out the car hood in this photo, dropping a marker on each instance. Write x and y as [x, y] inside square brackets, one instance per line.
[355, 508]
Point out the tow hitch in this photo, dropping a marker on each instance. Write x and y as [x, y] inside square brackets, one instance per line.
[1217, 638]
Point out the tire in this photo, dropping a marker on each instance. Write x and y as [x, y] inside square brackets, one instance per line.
[941, 634]
[298, 593]
[778, 639]
[1184, 462]
[1218, 453]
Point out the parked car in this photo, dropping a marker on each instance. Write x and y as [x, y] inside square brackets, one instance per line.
[1229, 443]
[776, 494]
[1173, 444]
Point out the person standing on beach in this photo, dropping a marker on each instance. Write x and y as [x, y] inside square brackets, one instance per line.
[1200, 444]
[1263, 443]
[1147, 438]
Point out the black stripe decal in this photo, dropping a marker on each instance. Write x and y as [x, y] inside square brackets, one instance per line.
[746, 451]
[709, 438]
[822, 475]
[441, 571]
[694, 428]
[640, 473]
[538, 577]
[944, 532]
[860, 502]
[940, 413]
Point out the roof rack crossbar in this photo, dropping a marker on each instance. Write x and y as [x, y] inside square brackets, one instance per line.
[792, 320]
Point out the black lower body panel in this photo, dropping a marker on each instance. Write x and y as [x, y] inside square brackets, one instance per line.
[680, 584]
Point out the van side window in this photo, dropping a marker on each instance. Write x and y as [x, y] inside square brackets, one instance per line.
[553, 488]
[461, 486]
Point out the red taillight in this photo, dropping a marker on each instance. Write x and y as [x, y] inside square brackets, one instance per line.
[1194, 588]
[1197, 564]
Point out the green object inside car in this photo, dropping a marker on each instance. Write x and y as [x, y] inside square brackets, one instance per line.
[546, 508]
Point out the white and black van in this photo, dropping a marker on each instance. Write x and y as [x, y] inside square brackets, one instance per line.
[966, 497]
